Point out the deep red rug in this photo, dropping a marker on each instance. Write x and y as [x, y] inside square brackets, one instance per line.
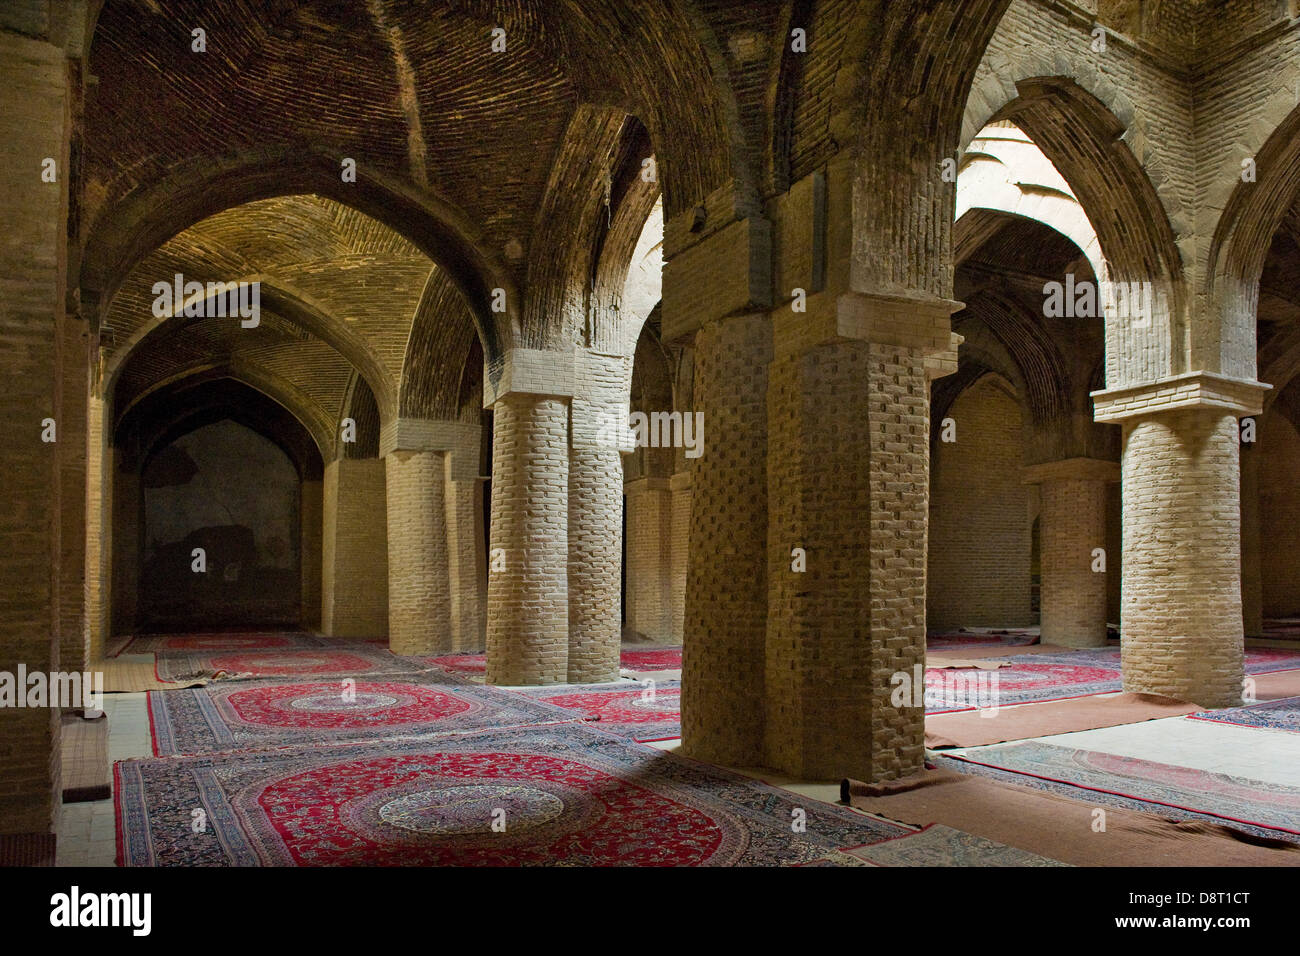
[361, 660]
[638, 711]
[564, 794]
[254, 715]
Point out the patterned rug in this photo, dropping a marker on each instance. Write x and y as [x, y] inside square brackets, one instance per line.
[565, 795]
[226, 641]
[1259, 660]
[354, 661]
[269, 714]
[638, 711]
[1028, 679]
[938, 845]
[1253, 803]
[648, 658]
[1281, 714]
[645, 658]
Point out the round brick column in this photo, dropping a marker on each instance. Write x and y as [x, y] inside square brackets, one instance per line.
[1181, 592]
[528, 549]
[595, 563]
[1072, 524]
[419, 598]
[1252, 579]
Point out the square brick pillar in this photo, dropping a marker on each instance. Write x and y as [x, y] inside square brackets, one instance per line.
[649, 558]
[1181, 612]
[726, 583]
[354, 553]
[98, 495]
[311, 505]
[1072, 524]
[848, 485]
[467, 560]
[35, 106]
[419, 592]
[679, 543]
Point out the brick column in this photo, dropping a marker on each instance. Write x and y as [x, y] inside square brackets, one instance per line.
[310, 554]
[679, 547]
[726, 584]
[1181, 593]
[99, 541]
[466, 557]
[649, 558]
[34, 124]
[1072, 523]
[419, 598]
[1252, 579]
[354, 553]
[599, 419]
[528, 562]
[848, 461]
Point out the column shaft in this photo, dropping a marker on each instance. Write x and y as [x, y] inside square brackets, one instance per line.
[528, 597]
[649, 559]
[726, 586]
[419, 598]
[354, 554]
[1181, 593]
[1072, 523]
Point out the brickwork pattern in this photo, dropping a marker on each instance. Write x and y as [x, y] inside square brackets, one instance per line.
[354, 586]
[848, 450]
[311, 510]
[649, 542]
[1181, 614]
[726, 585]
[467, 564]
[1072, 522]
[33, 115]
[419, 590]
[978, 563]
[1278, 507]
[679, 550]
[528, 599]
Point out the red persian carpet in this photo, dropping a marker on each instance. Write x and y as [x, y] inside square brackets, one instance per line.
[251, 715]
[639, 711]
[564, 794]
[332, 661]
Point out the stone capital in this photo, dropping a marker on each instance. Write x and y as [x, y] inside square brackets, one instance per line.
[920, 322]
[528, 371]
[1072, 469]
[1208, 390]
[459, 440]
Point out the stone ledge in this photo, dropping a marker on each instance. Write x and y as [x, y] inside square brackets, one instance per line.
[1078, 469]
[1178, 392]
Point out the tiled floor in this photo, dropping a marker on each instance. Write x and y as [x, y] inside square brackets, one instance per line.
[86, 832]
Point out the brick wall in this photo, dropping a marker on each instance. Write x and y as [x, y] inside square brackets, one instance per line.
[978, 565]
[354, 554]
[1278, 446]
[33, 125]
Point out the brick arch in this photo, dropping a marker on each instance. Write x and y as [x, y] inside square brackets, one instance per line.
[197, 188]
[1044, 380]
[293, 305]
[1251, 217]
[919, 59]
[1082, 139]
[265, 404]
[359, 404]
[442, 336]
